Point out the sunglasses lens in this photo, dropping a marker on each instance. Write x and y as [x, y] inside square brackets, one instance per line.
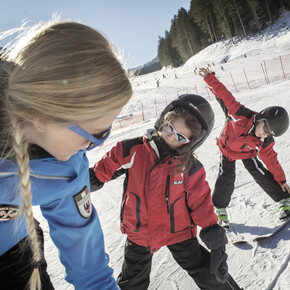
[91, 146]
[180, 138]
[266, 129]
[102, 135]
[168, 127]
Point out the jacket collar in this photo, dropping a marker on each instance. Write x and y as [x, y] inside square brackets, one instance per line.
[159, 147]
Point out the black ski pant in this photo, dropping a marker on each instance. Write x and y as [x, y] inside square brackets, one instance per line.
[189, 254]
[16, 267]
[225, 182]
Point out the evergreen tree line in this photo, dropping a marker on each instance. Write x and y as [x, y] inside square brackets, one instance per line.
[209, 21]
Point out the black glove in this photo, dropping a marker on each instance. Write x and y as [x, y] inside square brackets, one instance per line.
[218, 264]
[96, 184]
[215, 239]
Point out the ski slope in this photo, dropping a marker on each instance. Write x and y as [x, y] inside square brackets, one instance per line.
[255, 266]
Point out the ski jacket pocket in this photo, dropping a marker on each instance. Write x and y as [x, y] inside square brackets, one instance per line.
[179, 215]
[130, 212]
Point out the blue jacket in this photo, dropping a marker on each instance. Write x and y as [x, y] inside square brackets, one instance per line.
[62, 191]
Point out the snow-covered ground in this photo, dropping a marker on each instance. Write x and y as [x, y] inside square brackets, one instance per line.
[255, 267]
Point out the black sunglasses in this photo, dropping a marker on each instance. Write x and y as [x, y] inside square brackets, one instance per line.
[267, 129]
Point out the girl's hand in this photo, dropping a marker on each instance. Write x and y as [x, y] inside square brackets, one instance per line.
[203, 72]
[285, 187]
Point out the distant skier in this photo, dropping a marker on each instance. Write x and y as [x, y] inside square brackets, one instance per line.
[246, 136]
[166, 196]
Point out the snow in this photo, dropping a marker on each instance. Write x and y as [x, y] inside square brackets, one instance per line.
[254, 266]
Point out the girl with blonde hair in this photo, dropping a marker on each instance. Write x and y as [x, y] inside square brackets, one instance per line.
[61, 87]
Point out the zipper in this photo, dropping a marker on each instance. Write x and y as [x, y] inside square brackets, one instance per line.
[225, 141]
[36, 175]
[167, 192]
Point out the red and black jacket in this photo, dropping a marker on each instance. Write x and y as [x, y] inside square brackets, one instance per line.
[237, 139]
[159, 206]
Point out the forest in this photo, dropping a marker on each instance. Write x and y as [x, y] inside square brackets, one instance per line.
[210, 21]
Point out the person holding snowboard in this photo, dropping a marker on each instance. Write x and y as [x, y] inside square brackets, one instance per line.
[166, 196]
[61, 87]
[249, 136]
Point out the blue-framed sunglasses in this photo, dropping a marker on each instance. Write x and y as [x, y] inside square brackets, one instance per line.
[95, 139]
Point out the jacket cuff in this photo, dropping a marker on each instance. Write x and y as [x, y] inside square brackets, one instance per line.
[214, 236]
[282, 182]
[95, 183]
[209, 77]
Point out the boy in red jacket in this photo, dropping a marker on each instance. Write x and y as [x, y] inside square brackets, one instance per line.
[246, 136]
[166, 196]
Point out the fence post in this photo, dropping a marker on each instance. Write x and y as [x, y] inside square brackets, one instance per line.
[233, 82]
[282, 67]
[143, 112]
[246, 79]
[196, 89]
[165, 100]
[266, 72]
[207, 92]
[155, 108]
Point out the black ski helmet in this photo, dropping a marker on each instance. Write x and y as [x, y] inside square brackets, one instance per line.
[199, 107]
[277, 118]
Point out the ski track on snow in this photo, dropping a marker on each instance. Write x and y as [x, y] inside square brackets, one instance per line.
[279, 272]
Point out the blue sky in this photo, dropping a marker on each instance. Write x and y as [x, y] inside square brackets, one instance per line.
[132, 25]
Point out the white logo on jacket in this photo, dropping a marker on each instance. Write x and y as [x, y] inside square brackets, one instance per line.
[177, 181]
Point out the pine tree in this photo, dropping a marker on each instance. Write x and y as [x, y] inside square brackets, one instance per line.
[202, 14]
[168, 55]
[254, 4]
[240, 14]
[185, 34]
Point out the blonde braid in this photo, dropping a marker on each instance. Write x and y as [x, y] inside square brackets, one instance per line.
[20, 146]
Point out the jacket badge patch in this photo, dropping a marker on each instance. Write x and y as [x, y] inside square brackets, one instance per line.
[83, 203]
[178, 181]
[9, 212]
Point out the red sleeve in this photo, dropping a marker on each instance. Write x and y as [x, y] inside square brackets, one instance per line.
[220, 91]
[269, 157]
[199, 199]
[112, 161]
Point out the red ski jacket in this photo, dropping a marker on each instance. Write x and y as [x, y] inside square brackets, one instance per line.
[159, 206]
[237, 139]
